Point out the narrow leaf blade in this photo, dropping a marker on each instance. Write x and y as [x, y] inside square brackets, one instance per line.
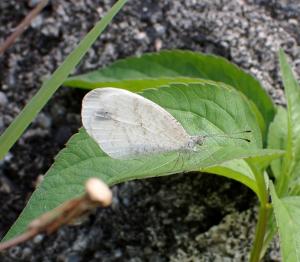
[30, 111]
[277, 138]
[292, 91]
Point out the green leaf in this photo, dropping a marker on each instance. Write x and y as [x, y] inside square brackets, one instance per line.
[295, 187]
[237, 169]
[154, 70]
[240, 170]
[82, 159]
[201, 109]
[292, 91]
[277, 138]
[287, 214]
[30, 111]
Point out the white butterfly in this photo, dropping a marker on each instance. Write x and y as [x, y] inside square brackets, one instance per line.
[125, 125]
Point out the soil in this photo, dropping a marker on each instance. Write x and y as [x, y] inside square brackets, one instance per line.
[185, 217]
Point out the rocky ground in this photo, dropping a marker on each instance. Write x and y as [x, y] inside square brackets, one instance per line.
[189, 217]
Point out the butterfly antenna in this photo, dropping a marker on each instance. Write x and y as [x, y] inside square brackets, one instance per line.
[231, 136]
[241, 132]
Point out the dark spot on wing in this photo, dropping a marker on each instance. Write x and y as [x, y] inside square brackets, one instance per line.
[103, 115]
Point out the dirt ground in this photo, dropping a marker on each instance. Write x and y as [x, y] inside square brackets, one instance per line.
[187, 217]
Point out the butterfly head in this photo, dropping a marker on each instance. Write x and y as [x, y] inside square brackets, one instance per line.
[195, 141]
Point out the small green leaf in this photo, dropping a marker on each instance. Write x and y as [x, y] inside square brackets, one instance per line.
[277, 138]
[200, 108]
[154, 70]
[287, 214]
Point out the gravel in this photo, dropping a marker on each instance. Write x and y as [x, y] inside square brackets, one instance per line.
[162, 219]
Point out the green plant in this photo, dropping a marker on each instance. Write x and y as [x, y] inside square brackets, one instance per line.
[205, 93]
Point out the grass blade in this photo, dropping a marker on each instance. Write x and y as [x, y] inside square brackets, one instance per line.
[30, 111]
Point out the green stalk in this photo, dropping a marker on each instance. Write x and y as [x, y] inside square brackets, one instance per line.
[260, 233]
[272, 230]
[30, 111]
[262, 215]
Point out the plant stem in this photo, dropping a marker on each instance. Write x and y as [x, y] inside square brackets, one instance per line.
[260, 232]
[272, 230]
[263, 213]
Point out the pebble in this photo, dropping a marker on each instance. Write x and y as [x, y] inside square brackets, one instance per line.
[5, 184]
[1, 124]
[38, 239]
[43, 120]
[15, 252]
[8, 157]
[50, 28]
[73, 258]
[80, 243]
[160, 29]
[37, 22]
[3, 99]
[26, 253]
[118, 253]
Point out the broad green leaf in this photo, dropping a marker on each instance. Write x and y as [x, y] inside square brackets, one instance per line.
[208, 108]
[66, 177]
[287, 214]
[292, 91]
[35, 105]
[154, 70]
[277, 138]
[200, 108]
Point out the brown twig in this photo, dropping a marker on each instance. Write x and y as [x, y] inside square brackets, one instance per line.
[97, 194]
[22, 26]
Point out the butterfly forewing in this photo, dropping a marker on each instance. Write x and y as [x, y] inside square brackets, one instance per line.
[125, 124]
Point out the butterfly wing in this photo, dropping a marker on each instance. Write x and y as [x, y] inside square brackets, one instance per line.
[125, 124]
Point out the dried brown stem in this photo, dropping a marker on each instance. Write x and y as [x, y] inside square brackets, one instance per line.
[97, 194]
[22, 26]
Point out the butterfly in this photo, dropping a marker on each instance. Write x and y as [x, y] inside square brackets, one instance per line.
[126, 125]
